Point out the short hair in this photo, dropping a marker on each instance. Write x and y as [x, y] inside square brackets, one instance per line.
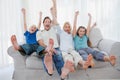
[65, 25]
[46, 18]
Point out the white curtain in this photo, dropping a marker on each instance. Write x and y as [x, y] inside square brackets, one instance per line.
[10, 23]
[104, 12]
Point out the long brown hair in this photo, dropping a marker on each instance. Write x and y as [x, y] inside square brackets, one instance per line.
[88, 41]
[81, 27]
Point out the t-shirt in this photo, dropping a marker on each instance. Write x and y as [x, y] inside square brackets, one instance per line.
[80, 42]
[46, 35]
[30, 37]
[66, 41]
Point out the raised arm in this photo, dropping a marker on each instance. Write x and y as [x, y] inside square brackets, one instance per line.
[54, 13]
[24, 18]
[40, 20]
[93, 25]
[74, 24]
[89, 24]
[54, 8]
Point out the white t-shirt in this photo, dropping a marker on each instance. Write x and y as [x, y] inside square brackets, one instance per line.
[46, 35]
[66, 41]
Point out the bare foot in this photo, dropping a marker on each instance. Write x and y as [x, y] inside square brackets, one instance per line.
[112, 60]
[48, 63]
[85, 65]
[14, 42]
[90, 60]
[68, 67]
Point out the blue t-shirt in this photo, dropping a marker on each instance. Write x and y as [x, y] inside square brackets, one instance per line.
[30, 37]
[80, 42]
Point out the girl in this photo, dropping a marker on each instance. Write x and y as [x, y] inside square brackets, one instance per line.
[81, 46]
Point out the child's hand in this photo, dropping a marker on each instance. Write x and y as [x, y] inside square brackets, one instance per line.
[89, 14]
[54, 1]
[23, 10]
[51, 9]
[94, 25]
[40, 13]
[77, 13]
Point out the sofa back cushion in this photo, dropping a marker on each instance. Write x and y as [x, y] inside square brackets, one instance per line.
[95, 37]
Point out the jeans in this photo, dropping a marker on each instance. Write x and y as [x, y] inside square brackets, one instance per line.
[84, 52]
[57, 60]
[30, 48]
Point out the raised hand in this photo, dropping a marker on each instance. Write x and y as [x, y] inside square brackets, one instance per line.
[94, 25]
[40, 14]
[74, 23]
[54, 1]
[40, 20]
[89, 15]
[24, 18]
[51, 10]
[89, 24]
[77, 13]
[23, 10]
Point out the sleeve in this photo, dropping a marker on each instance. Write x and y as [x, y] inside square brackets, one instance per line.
[26, 33]
[36, 31]
[38, 35]
[57, 28]
[74, 37]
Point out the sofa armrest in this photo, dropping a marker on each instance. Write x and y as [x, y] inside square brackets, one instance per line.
[19, 60]
[110, 46]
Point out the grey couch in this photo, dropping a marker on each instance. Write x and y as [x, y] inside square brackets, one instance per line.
[31, 68]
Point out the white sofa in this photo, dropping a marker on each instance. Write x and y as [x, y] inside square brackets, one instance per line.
[31, 68]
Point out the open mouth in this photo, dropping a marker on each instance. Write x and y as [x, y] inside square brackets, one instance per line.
[47, 25]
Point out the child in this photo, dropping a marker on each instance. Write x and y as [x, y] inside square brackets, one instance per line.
[30, 36]
[80, 40]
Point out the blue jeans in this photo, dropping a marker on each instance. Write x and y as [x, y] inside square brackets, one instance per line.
[57, 59]
[84, 52]
[30, 48]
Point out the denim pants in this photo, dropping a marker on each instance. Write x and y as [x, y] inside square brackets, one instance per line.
[30, 48]
[57, 60]
[84, 52]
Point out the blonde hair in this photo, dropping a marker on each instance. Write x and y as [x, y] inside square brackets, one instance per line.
[66, 24]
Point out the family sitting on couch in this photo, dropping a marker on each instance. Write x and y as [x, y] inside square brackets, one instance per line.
[73, 49]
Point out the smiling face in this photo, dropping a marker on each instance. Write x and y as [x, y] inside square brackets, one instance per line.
[81, 31]
[47, 23]
[33, 28]
[67, 27]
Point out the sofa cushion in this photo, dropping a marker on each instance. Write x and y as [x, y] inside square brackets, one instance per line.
[95, 37]
[34, 62]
